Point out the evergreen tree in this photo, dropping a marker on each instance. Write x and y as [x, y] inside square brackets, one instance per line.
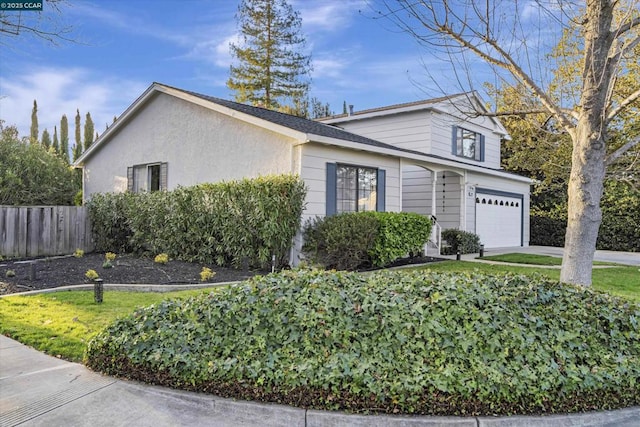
[272, 69]
[77, 148]
[64, 138]
[46, 139]
[88, 131]
[318, 109]
[56, 144]
[34, 123]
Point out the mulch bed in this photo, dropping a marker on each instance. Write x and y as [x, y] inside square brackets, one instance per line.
[53, 272]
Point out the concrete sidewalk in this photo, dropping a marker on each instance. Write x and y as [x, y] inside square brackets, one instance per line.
[627, 258]
[39, 390]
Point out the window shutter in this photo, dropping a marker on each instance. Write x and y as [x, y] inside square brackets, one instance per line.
[381, 192]
[130, 179]
[454, 140]
[332, 199]
[163, 176]
[481, 157]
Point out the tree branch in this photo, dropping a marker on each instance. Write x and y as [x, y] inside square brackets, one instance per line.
[624, 104]
[613, 157]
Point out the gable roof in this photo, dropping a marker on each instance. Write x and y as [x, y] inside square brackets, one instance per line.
[428, 104]
[299, 128]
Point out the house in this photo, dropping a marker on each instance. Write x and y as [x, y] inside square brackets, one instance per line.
[365, 161]
[458, 180]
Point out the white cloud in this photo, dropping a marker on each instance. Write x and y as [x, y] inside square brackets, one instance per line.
[328, 15]
[61, 91]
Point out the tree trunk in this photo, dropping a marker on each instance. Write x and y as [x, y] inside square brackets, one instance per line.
[584, 213]
[589, 137]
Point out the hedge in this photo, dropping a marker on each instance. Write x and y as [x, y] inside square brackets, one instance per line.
[231, 223]
[358, 240]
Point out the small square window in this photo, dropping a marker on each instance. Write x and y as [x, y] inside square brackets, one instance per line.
[468, 144]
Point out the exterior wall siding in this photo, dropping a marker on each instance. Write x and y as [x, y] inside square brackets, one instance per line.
[416, 189]
[409, 130]
[313, 171]
[159, 134]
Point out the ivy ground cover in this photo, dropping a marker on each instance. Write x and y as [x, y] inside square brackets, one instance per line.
[415, 342]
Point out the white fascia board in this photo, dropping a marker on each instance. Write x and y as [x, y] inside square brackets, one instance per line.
[419, 158]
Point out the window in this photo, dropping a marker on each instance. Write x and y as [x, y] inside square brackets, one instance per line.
[147, 178]
[354, 189]
[467, 144]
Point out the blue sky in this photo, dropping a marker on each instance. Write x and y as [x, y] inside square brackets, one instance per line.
[121, 46]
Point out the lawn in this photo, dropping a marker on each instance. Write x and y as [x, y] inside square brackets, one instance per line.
[623, 281]
[61, 323]
[532, 259]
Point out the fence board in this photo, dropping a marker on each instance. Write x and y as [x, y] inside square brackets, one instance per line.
[32, 231]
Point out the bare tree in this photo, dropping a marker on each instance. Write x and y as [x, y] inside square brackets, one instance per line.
[494, 32]
[45, 24]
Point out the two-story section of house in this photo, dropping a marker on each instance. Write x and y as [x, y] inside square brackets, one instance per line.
[461, 183]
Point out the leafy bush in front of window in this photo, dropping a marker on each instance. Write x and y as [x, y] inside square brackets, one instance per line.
[227, 223]
[341, 242]
[416, 342]
[354, 240]
[458, 240]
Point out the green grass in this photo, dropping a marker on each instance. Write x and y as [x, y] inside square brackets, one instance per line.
[532, 259]
[61, 323]
[623, 281]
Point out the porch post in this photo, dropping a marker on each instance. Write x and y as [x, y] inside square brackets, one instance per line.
[434, 181]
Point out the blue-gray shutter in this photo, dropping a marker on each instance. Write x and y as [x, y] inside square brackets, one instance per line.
[381, 191]
[454, 140]
[481, 148]
[130, 179]
[332, 199]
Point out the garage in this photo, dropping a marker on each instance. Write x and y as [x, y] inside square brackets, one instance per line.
[498, 218]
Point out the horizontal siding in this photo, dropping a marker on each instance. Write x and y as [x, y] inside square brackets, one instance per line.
[314, 160]
[441, 140]
[416, 190]
[410, 130]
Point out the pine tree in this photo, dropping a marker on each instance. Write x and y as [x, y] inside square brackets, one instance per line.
[64, 138]
[56, 144]
[88, 131]
[77, 149]
[34, 123]
[272, 69]
[46, 139]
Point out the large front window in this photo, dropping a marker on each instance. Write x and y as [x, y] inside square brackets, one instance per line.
[356, 189]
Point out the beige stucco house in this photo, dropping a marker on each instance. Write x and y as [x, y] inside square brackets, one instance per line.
[390, 159]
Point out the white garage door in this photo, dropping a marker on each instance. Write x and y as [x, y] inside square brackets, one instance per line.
[499, 219]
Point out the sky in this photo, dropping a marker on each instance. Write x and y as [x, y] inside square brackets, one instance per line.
[118, 48]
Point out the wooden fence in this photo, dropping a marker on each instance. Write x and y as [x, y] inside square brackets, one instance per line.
[32, 231]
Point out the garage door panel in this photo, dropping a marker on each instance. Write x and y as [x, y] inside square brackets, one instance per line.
[498, 220]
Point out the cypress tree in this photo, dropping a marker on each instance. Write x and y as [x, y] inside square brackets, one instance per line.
[64, 138]
[77, 148]
[88, 131]
[56, 144]
[34, 123]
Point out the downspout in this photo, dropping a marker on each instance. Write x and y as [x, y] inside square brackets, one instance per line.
[434, 182]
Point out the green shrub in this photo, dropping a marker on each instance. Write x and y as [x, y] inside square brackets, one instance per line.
[546, 230]
[458, 240]
[341, 241]
[394, 341]
[227, 223]
[354, 240]
[399, 234]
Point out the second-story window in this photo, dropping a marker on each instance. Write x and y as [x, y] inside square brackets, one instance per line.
[467, 144]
